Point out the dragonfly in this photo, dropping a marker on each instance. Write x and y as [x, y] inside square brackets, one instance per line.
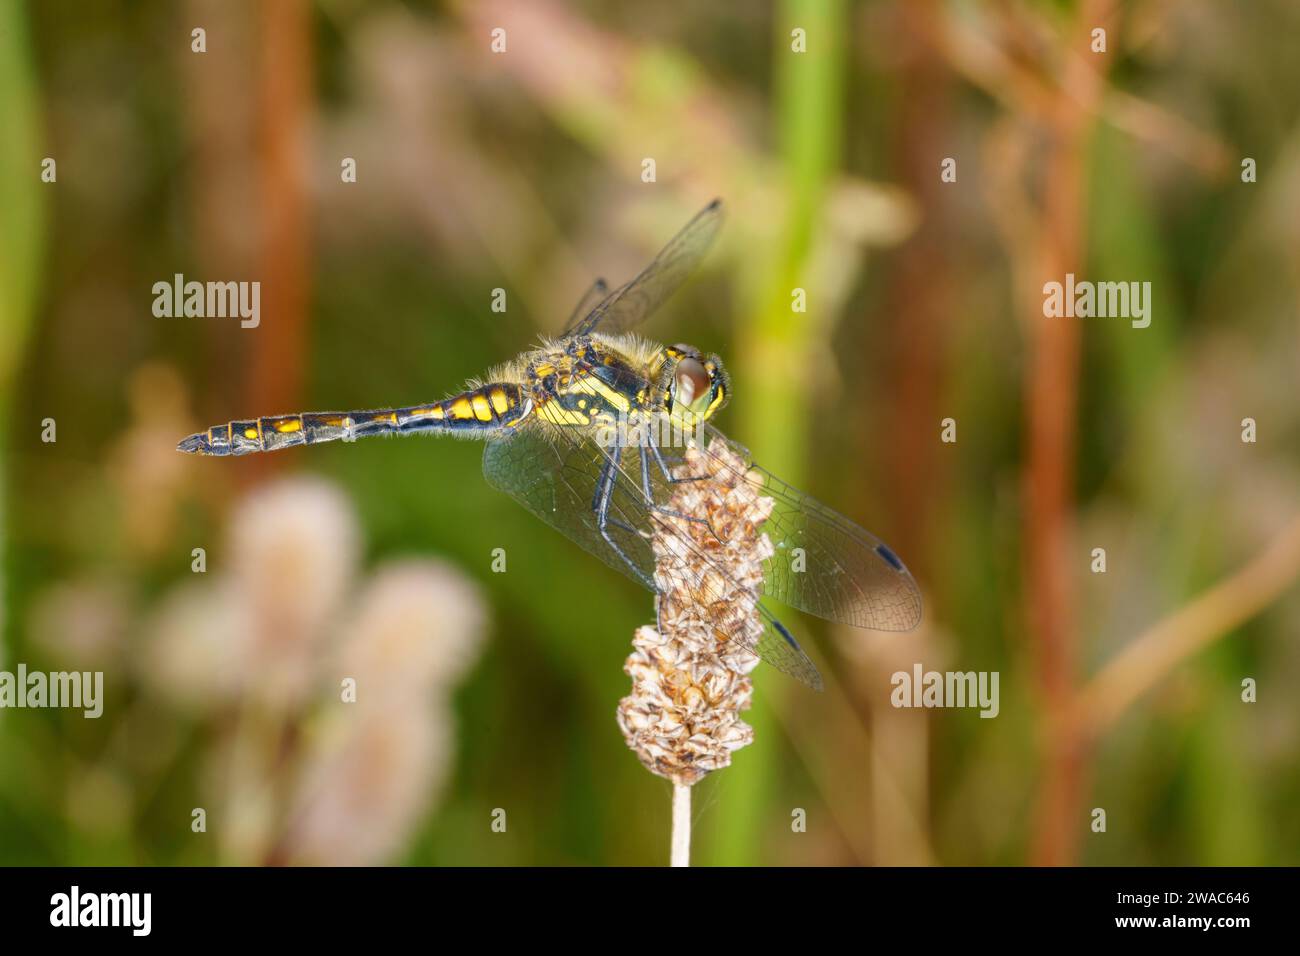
[547, 416]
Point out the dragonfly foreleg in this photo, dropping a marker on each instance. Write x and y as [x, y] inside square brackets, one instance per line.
[648, 492]
[662, 462]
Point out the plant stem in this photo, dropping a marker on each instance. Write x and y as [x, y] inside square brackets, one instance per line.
[681, 851]
[1213, 614]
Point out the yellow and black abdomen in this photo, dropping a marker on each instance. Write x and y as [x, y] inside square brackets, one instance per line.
[476, 413]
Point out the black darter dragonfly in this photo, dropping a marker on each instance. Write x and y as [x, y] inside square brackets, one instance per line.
[548, 417]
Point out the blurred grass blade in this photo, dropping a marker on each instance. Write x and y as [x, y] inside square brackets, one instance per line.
[21, 219]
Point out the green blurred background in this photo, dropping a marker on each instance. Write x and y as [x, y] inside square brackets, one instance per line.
[522, 170]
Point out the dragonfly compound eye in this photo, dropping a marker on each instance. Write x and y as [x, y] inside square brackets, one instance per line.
[692, 380]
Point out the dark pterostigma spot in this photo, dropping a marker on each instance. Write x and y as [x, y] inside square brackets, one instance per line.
[890, 557]
[786, 634]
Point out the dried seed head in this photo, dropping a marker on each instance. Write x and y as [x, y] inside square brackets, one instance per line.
[690, 680]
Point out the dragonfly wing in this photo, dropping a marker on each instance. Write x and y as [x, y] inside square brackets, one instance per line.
[632, 303]
[842, 572]
[554, 476]
[595, 295]
[555, 472]
[778, 647]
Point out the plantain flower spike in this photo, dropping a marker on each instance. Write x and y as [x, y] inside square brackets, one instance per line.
[690, 683]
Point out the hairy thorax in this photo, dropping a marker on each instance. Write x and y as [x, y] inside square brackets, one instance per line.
[592, 380]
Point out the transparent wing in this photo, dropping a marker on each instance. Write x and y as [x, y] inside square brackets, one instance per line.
[558, 473]
[824, 563]
[630, 304]
[555, 478]
[597, 294]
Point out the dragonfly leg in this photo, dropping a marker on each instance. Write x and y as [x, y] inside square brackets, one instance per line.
[648, 492]
[600, 505]
[622, 526]
[649, 497]
[663, 466]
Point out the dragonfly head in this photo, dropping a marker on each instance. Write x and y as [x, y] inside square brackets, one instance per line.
[695, 385]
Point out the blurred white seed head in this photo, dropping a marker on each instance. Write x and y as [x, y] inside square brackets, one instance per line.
[373, 768]
[196, 646]
[294, 548]
[348, 785]
[370, 776]
[418, 626]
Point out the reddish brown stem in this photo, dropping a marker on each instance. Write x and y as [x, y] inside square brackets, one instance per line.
[276, 376]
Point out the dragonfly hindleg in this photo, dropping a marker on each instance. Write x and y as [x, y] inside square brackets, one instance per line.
[600, 505]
